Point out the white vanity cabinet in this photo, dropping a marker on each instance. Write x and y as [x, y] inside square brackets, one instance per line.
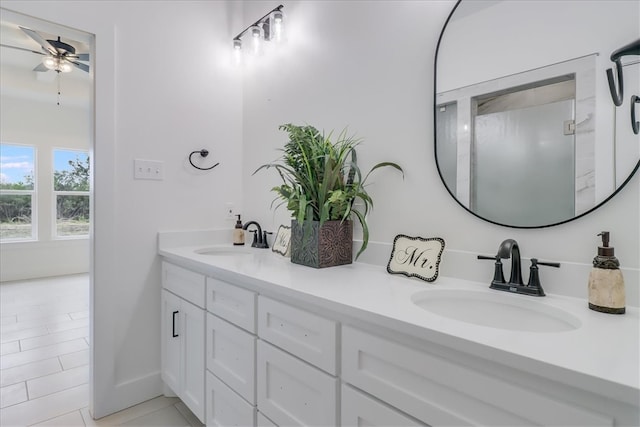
[182, 341]
[261, 356]
[230, 355]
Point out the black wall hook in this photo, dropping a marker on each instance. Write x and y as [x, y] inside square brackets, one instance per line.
[635, 125]
[203, 153]
[617, 93]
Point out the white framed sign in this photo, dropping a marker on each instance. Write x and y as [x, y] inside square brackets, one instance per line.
[281, 244]
[416, 257]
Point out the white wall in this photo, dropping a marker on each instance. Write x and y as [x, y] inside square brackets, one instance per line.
[164, 87]
[369, 65]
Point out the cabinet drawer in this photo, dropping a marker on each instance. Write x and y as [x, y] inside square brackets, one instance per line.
[310, 337]
[184, 283]
[438, 391]
[232, 303]
[291, 392]
[264, 421]
[225, 408]
[231, 356]
[360, 410]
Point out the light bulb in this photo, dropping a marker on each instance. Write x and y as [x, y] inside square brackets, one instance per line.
[65, 67]
[237, 51]
[277, 26]
[255, 36]
[50, 62]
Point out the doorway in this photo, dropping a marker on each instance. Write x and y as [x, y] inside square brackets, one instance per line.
[46, 98]
[46, 137]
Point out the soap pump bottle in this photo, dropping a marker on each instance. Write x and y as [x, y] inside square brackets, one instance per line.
[238, 233]
[606, 284]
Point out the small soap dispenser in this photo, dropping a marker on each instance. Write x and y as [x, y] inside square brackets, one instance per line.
[606, 285]
[238, 233]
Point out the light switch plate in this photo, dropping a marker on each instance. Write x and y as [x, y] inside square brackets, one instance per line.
[148, 169]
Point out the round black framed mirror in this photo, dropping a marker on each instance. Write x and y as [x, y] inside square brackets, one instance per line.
[526, 131]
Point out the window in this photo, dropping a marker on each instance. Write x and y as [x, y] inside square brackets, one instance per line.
[17, 191]
[71, 192]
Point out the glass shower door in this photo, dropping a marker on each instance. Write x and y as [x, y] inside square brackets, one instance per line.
[534, 137]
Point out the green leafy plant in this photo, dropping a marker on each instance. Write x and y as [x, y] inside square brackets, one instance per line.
[321, 178]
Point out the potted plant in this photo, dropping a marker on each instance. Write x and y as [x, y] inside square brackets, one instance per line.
[321, 183]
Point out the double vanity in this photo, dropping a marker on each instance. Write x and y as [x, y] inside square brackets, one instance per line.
[248, 338]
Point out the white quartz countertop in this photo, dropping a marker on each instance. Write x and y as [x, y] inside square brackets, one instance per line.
[601, 355]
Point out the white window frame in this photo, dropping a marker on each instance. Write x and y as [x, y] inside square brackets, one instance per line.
[33, 193]
[54, 197]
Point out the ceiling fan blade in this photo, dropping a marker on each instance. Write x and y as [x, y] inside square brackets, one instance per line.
[83, 56]
[21, 48]
[41, 41]
[83, 67]
[41, 68]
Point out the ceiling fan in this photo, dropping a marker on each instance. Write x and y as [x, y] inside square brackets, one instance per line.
[59, 56]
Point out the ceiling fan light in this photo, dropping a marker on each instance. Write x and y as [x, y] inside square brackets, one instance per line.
[65, 67]
[50, 62]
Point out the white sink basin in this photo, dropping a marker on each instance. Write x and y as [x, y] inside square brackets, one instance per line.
[497, 310]
[225, 251]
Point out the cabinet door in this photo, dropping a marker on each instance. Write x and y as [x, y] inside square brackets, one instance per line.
[170, 341]
[193, 366]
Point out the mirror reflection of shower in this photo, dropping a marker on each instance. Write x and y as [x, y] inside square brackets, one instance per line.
[523, 147]
[520, 149]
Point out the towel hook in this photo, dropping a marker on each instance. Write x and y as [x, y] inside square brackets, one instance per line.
[204, 153]
[635, 125]
[617, 93]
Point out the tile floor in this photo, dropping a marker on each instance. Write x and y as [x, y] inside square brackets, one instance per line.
[44, 360]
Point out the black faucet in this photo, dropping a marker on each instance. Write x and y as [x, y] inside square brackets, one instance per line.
[510, 249]
[259, 238]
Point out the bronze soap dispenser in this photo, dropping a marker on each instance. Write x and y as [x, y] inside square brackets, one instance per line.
[606, 284]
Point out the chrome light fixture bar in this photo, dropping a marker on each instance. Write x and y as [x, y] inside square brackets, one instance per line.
[267, 28]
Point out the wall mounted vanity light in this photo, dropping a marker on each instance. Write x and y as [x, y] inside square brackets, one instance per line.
[266, 29]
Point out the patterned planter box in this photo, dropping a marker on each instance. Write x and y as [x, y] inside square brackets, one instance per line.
[319, 247]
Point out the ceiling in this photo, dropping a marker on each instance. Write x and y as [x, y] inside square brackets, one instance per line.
[17, 78]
